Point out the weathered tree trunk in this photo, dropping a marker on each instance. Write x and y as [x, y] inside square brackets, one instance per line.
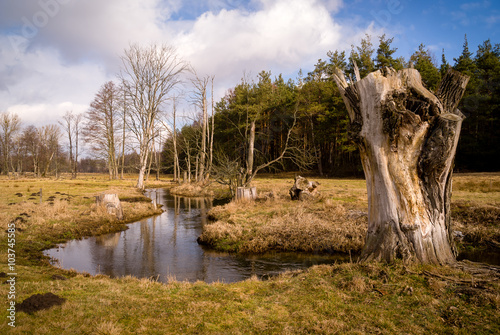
[143, 161]
[407, 137]
[213, 128]
[246, 193]
[176, 156]
[150, 162]
[251, 146]
[196, 167]
[203, 151]
[158, 159]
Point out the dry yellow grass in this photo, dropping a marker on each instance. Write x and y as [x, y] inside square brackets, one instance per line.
[213, 190]
[344, 298]
[67, 210]
[274, 222]
[337, 221]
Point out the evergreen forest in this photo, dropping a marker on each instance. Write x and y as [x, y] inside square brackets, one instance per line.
[305, 123]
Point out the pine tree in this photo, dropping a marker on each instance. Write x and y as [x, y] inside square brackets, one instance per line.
[478, 150]
[423, 62]
[444, 65]
[384, 55]
[362, 56]
[336, 60]
[464, 62]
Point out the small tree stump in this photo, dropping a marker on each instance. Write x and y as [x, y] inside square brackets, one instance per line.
[246, 193]
[303, 189]
[112, 204]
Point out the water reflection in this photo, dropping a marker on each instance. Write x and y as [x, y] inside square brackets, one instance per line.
[165, 246]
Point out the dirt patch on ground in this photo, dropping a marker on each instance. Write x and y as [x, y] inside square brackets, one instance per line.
[38, 302]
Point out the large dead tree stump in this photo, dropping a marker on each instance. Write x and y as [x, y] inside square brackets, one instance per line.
[407, 137]
[112, 204]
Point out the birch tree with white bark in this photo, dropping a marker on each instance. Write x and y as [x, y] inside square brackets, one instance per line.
[200, 100]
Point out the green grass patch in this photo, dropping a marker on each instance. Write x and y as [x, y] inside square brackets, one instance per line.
[326, 299]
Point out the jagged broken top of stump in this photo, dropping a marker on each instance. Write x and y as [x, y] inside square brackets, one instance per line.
[391, 82]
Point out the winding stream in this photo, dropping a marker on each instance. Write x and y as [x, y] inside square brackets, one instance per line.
[164, 247]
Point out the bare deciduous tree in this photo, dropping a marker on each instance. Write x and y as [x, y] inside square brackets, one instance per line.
[124, 129]
[102, 124]
[170, 127]
[31, 141]
[10, 124]
[72, 126]
[77, 129]
[149, 75]
[49, 141]
[200, 100]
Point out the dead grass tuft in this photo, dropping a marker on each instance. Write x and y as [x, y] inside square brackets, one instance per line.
[357, 284]
[108, 328]
[189, 190]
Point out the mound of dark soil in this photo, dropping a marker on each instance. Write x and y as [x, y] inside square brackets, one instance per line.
[38, 302]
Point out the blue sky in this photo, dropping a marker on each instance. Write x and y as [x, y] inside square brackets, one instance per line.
[55, 54]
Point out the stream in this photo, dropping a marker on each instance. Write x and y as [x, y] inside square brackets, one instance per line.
[164, 247]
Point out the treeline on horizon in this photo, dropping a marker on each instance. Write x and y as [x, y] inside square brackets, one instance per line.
[288, 125]
[312, 108]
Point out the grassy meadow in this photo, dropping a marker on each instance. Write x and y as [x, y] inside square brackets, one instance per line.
[337, 221]
[345, 298]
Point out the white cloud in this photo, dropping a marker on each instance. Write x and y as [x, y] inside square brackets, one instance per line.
[37, 84]
[91, 29]
[36, 114]
[283, 34]
[469, 6]
[333, 5]
[67, 57]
